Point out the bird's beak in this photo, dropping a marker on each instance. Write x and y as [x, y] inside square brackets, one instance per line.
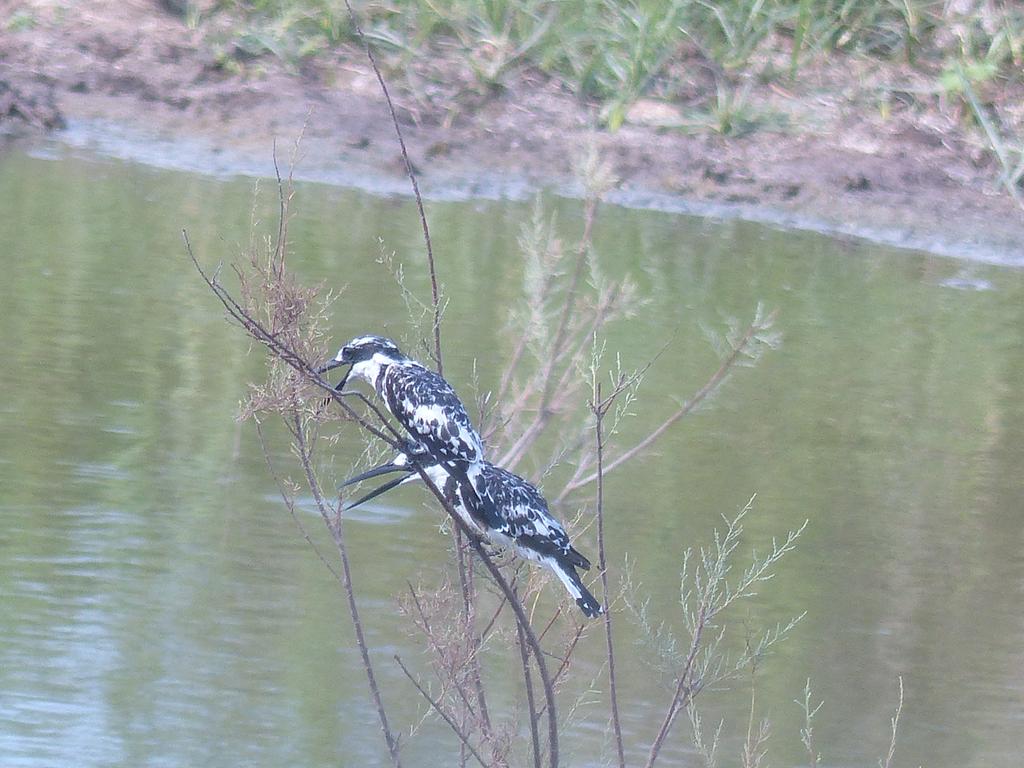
[377, 492]
[381, 470]
[329, 366]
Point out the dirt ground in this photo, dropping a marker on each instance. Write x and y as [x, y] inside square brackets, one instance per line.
[905, 179]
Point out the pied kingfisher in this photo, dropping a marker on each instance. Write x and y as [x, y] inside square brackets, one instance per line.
[424, 404]
[521, 519]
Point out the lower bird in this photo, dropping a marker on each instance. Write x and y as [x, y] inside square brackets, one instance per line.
[517, 517]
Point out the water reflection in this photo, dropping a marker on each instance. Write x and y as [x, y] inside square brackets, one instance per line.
[160, 608]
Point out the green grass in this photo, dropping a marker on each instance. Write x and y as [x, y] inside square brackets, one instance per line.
[614, 52]
[19, 21]
[622, 49]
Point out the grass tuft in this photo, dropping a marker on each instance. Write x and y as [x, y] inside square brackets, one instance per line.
[714, 59]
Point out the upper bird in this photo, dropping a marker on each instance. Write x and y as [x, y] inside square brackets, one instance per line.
[517, 517]
[422, 402]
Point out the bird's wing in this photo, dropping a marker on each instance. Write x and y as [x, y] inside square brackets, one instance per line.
[539, 536]
[525, 517]
[429, 410]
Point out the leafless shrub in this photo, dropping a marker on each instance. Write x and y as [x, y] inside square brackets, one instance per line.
[275, 312]
[755, 745]
[284, 316]
[810, 711]
[807, 732]
[566, 315]
[568, 301]
[707, 591]
[894, 723]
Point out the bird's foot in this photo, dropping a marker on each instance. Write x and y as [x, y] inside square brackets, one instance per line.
[498, 554]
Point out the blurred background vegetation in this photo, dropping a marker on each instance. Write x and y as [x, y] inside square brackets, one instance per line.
[961, 58]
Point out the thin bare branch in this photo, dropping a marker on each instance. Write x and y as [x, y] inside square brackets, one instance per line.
[494, 618]
[469, 627]
[566, 661]
[284, 196]
[282, 217]
[682, 694]
[807, 732]
[289, 503]
[738, 350]
[436, 706]
[551, 623]
[567, 654]
[755, 747]
[712, 594]
[530, 703]
[259, 332]
[589, 216]
[895, 724]
[557, 353]
[440, 653]
[336, 527]
[517, 607]
[599, 408]
[385, 422]
[410, 171]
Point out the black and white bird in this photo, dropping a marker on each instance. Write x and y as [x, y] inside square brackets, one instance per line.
[521, 519]
[424, 404]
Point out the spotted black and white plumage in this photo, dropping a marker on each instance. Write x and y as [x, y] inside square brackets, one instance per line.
[422, 402]
[427, 406]
[528, 526]
[516, 517]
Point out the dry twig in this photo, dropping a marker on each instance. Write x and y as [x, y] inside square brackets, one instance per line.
[436, 706]
[599, 407]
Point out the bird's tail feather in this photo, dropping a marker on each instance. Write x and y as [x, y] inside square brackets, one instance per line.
[566, 573]
[578, 559]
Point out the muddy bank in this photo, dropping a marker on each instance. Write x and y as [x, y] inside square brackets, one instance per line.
[133, 80]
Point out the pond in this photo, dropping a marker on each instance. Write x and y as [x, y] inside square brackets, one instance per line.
[159, 606]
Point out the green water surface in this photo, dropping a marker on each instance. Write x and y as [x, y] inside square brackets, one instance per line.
[159, 607]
